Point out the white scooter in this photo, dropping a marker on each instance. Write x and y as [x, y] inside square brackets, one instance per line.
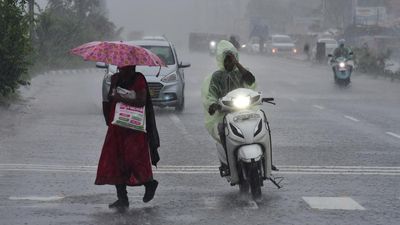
[245, 148]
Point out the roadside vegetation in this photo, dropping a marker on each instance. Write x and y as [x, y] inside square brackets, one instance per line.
[32, 46]
[370, 62]
[15, 46]
[65, 24]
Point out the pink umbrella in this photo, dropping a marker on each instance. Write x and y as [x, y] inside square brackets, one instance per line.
[117, 53]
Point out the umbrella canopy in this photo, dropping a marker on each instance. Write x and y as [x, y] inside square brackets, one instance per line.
[117, 53]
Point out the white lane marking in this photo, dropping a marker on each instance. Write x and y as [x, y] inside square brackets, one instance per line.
[340, 203]
[178, 123]
[341, 167]
[173, 169]
[351, 118]
[38, 166]
[210, 202]
[45, 166]
[319, 107]
[393, 134]
[36, 198]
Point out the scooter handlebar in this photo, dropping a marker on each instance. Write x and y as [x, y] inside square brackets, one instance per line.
[268, 100]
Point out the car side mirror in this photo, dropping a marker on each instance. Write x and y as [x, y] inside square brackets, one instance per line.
[101, 65]
[184, 65]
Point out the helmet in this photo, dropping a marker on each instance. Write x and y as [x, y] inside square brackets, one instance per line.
[341, 42]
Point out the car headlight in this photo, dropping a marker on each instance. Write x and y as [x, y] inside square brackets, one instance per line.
[294, 50]
[170, 78]
[241, 102]
[274, 50]
[342, 65]
[243, 46]
[213, 44]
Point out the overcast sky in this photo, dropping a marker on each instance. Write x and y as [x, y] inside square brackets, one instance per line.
[177, 18]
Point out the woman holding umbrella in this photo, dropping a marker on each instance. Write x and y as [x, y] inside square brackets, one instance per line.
[125, 159]
[127, 154]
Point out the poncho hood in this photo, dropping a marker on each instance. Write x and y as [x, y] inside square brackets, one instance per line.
[223, 48]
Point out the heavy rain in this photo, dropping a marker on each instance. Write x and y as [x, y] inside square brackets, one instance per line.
[199, 112]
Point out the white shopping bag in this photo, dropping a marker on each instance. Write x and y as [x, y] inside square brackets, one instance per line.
[130, 117]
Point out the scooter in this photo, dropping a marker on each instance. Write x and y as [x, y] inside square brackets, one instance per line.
[342, 69]
[245, 150]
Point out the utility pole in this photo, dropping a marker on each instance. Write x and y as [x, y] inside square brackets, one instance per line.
[323, 2]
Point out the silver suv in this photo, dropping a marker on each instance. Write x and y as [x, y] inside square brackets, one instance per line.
[167, 86]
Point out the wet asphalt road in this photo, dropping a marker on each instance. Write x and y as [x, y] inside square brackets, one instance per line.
[339, 146]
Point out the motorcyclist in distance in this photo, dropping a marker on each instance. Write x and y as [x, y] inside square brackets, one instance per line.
[342, 51]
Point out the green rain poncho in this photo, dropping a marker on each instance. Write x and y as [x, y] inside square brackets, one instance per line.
[218, 84]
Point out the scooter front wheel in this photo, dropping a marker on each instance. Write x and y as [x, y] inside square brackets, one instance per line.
[244, 186]
[255, 181]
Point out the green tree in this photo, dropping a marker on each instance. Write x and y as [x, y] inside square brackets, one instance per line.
[65, 24]
[14, 45]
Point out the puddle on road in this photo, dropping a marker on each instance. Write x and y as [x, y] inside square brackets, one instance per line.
[188, 219]
[36, 198]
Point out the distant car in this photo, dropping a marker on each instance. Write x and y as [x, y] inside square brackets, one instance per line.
[167, 85]
[253, 46]
[281, 44]
[330, 46]
[392, 64]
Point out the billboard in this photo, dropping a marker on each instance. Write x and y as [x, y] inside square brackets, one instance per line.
[370, 15]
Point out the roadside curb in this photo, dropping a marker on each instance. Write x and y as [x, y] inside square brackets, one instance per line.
[72, 71]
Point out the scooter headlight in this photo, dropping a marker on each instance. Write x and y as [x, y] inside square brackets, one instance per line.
[342, 65]
[241, 102]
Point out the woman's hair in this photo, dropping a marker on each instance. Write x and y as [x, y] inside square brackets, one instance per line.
[128, 68]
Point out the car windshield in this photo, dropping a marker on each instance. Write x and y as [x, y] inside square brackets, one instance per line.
[282, 40]
[164, 52]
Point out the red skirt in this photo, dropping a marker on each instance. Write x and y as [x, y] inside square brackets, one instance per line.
[125, 158]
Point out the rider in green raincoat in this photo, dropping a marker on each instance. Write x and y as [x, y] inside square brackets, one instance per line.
[229, 76]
